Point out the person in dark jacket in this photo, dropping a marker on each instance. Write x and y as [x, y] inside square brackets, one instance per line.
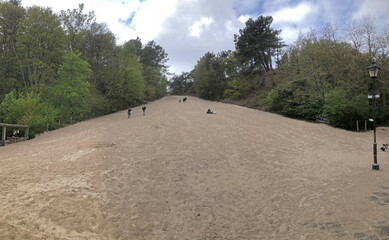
[384, 147]
[129, 112]
[144, 110]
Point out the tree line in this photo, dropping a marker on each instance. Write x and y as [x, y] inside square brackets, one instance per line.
[323, 73]
[57, 69]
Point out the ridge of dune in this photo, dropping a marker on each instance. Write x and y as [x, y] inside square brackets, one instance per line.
[179, 173]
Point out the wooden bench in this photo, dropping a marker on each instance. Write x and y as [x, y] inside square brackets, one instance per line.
[4, 126]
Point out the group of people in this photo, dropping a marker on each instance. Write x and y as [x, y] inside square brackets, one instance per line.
[143, 110]
[209, 111]
[184, 99]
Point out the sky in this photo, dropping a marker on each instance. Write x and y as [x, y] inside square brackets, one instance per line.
[187, 29]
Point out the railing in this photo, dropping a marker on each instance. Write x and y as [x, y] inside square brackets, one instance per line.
[321, 119]
[4, 131]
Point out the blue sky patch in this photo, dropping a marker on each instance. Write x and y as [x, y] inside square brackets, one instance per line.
[253, 7]
[127, 21]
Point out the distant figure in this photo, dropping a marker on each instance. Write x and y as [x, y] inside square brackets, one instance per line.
[179, 101]
[129, 112]
[384, 147]
[144, 110]
[209, 111]
[184, 100]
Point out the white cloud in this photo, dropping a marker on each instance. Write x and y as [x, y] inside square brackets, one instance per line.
[149, 19]
[147, 22]
[295, 14]
[244, 18]
[199, 26]
[290, 34]
[378, 9]
[371, 7]
[177, 37]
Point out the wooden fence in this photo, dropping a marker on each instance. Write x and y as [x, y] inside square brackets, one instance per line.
[4, 126]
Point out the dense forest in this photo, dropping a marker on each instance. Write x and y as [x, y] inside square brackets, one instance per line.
[324, 73]
[57, 69]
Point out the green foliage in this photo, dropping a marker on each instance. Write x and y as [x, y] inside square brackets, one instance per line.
[128, 88]
[133, 81]
[181, 84]
[234, 89]
[10, 16]
[153, 55]
[239, 85]
[76, 25]
[209, 79]
[153, 58]
[258, 101]
[100, 51]
[342, 111]
[70, 68]
[98, 104]
[257, 44]
[131, 77]
[28, 109]
[40, 46]
[296, 99]
[72, 90]
[154, 80]
[335, 83]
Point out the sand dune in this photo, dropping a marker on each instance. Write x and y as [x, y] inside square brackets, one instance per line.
[178, 173]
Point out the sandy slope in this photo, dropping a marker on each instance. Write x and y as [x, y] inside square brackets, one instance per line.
[178, 173]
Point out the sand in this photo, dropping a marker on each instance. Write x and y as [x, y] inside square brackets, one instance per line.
[178, 173]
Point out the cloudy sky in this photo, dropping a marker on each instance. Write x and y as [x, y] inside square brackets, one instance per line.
[187, 29]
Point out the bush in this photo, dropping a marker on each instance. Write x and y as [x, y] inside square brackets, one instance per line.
[27, 109]
[342, 112]
[296, 99]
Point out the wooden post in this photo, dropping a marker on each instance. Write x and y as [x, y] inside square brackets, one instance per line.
[365, 125]
[47, 127]
[4, 129]
[71, 120]
[26, 132]
[357, 126]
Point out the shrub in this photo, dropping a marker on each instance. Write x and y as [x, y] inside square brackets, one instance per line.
[27, 109]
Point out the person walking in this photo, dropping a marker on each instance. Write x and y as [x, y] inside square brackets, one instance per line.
[129, 112]
[144, 110]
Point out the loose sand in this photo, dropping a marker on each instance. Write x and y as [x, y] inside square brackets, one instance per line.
[178, 173]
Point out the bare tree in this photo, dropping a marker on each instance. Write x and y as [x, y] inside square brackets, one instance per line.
[382, 45]
[354, 33]
[330, 32]
[363, 35]
[370, 34]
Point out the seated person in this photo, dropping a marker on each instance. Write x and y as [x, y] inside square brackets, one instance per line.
[209, 111]
[384, 147]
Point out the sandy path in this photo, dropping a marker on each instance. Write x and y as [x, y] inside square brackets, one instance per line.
[178, 173]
